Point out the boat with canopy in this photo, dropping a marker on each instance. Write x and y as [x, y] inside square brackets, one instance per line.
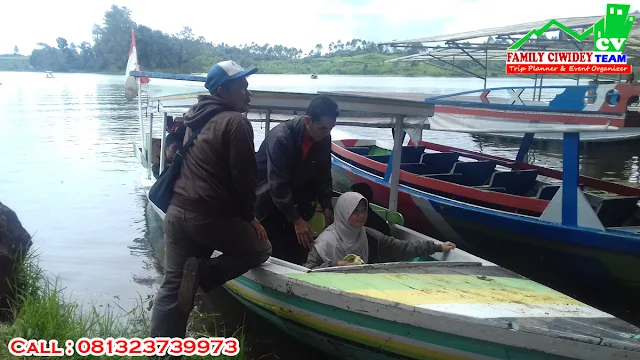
[452, 305]
[482, 54]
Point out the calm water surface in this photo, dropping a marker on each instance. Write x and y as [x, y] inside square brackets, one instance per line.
[70, 175]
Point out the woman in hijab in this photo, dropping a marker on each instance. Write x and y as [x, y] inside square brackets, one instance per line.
[348, 236]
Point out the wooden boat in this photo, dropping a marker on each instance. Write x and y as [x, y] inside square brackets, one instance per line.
[510, 212]
[509, 107]
[490, 107]
[453, 306]
[49, 75]
[314, 76]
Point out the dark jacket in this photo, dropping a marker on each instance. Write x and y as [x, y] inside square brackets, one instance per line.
[382, 249]
[218, 175]
[287, 184]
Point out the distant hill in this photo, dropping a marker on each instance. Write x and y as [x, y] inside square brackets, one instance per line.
[12, 62]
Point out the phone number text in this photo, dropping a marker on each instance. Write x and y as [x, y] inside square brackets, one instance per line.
[126, 347]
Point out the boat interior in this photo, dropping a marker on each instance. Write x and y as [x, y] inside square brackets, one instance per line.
[493, 175]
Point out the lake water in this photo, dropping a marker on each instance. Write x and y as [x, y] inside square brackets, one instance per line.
[71, 177]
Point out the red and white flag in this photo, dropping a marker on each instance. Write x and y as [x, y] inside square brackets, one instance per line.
[130, 83]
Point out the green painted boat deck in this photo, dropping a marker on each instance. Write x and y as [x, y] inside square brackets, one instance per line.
[418, 289]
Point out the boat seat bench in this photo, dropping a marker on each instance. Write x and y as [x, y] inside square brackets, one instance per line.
[409, 154]
[439, 163]
[360, 150]
[517, 182]
[380, 158]
[613, 211]
[473, 173]
[548, 191]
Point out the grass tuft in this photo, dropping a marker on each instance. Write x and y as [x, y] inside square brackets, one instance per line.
[39, 310]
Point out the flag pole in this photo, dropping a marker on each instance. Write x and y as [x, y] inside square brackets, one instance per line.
[143, 144]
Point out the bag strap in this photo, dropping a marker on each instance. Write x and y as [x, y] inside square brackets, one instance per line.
[186, 146]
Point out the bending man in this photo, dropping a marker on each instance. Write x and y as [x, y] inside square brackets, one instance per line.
[294, 171]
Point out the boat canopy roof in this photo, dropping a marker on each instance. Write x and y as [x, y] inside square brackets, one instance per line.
[473, 45]
[506, 32]
[375, 110]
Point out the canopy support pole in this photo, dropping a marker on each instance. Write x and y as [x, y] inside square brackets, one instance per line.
[486, 65]
[570, 176]
[524, 146]
[150, 148]
[267, 123]
[142, 144]
[540, 89]
[396, 158]
[163, 143]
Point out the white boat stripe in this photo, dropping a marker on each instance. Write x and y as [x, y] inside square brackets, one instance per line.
[512, 310]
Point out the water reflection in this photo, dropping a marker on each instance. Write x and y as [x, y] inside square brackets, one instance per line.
[74, 184]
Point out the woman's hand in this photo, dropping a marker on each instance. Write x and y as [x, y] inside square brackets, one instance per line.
[344, 263]
[448, 246]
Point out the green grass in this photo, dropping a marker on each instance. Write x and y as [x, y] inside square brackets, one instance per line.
[40, 311]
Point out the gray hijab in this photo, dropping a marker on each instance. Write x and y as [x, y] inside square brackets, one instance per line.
[340, 238]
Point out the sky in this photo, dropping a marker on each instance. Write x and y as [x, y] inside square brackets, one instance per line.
[293, 23]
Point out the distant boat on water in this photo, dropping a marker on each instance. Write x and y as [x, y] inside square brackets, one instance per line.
[49, 75]
[314, 76]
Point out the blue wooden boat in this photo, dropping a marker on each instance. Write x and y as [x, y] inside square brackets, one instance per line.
[452, 306]
[511, 212]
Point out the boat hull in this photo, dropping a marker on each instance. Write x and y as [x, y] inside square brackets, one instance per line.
[333, 321]
[549, 253]
[352, 335]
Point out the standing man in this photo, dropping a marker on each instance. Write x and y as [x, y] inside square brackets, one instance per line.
[294, 171]
[212, 207]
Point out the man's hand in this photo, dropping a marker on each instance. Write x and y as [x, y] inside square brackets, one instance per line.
[303, 232]
[262, 233]
[448, 246]
[328, 216]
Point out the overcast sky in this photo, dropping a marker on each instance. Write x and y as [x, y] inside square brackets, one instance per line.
[299, 23]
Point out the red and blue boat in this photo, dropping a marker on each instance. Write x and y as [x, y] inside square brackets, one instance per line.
[576, 233]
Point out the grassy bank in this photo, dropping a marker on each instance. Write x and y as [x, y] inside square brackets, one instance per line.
[41, 311]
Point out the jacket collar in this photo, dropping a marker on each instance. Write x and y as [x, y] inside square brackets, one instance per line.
[299, 129]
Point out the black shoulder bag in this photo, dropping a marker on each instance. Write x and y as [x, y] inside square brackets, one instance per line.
[162, 190]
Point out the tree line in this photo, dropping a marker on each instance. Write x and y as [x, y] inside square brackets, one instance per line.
[183, 52]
